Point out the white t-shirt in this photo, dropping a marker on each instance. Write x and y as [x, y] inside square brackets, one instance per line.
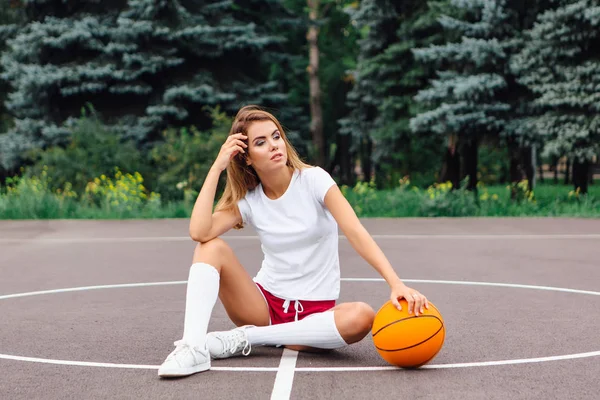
[299, 238]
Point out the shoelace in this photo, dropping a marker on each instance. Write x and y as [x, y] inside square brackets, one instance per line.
[180, 346]
[232, 343]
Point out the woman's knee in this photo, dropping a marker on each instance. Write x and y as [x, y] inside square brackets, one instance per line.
[355, 322]
[212, 252]
[364, 316]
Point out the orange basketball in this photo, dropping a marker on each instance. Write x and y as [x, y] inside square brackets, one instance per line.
[405, 340]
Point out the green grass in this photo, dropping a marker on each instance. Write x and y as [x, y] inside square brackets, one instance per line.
[494, 201]
[125, 198]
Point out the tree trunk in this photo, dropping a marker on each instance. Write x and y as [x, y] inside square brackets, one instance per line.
[451, 168]
[367, 165]
[316, 110]
[567, 171]
[345, 160]
[580, 176]
[527, 165]
[3, 176]
[555, 166]
[513, 169]
[521, 166]
[451, 164]
[471, 160]
[342, 160]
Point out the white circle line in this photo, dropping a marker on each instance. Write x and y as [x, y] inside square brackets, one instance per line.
[322, 369]
[83, 288]
[445, 282]
[310, 369]
[561, 236]
[474, 283]
[457, 365]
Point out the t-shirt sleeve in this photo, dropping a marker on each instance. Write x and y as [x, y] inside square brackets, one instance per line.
[244, 208]
[321, 183]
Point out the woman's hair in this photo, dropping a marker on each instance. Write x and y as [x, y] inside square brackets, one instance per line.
[242, 177]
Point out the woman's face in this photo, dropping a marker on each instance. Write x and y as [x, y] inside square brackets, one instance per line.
[266, 148]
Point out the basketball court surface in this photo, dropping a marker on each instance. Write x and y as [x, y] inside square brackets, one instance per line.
[89, 310]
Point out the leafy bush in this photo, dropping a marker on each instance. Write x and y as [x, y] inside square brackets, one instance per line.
[121, 197]
[493, 165]
[125, 194]
[440, 200]
[182, 160]
[93, 150]
[32, 197]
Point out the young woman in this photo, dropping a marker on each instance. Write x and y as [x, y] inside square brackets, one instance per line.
[296, 210]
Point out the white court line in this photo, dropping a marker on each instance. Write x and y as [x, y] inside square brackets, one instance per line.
[469, 283]
[127, 366]
[457, 365]
[290, 370]
[324, 369]
[282, 389]
[254, 237]
[79, 289]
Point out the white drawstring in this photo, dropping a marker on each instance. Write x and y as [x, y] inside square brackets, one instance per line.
[297, 306]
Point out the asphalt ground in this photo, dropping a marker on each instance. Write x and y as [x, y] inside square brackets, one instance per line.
[89, 310]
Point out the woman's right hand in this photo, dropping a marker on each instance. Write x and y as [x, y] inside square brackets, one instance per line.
[232, 146]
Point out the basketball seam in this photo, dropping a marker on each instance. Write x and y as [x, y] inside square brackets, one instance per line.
[414, 345]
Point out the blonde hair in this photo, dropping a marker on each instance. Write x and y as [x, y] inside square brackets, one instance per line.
[242, 177]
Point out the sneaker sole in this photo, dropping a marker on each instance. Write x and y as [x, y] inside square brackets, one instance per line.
[178, 372]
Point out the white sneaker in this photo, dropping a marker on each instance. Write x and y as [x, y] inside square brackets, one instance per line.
[227, 344]
[184, 360]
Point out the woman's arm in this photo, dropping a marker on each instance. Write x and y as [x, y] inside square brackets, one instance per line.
[204, 225]
[366, 247]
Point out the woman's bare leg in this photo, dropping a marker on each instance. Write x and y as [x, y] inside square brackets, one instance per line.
[215, 272]
[240, 296]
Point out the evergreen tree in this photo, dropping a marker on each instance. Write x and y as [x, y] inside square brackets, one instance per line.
[377, 20]
[143, 64]
[11, 14]
[397, 151]
[337, 54]
[561, 65]
[475, 96]
[386, 79]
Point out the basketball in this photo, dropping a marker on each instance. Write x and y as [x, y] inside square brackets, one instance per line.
[405, 340]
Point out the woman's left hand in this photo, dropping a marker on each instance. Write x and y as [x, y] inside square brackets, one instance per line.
[416, 301]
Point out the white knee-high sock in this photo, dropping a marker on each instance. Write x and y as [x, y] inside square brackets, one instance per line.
[317, 330]
[202, 294]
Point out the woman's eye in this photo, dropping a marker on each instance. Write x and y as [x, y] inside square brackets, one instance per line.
[277, 136]
[260, 142]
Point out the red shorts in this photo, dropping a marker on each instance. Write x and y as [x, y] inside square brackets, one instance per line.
[282, 311]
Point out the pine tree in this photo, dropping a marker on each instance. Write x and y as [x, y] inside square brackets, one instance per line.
[143, 64]
[475, 96]
[337, 54]
[378, 21]
[397, 151]
[11, 14]
[386, 79]
[561, 65]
